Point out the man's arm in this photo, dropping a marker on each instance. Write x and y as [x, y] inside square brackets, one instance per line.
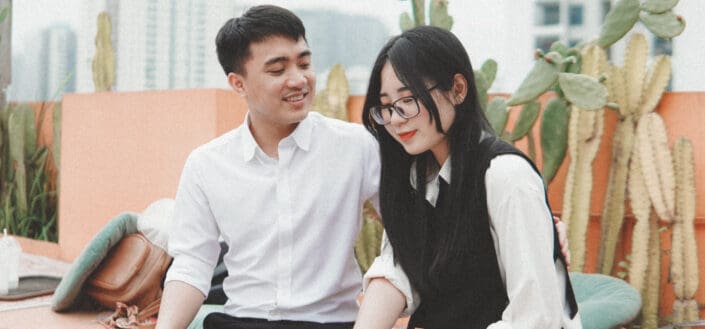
[180, 303]
[381, 306]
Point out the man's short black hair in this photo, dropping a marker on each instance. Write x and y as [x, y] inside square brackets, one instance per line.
[257, 24]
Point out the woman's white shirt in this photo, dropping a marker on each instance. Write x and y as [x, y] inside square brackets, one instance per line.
[521, 228]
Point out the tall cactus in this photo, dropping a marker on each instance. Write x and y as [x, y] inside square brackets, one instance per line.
[333, 100]
[104, 60]
[641, 207]
[651, 291]
[684, 260]
[584, 135]
[636, 89]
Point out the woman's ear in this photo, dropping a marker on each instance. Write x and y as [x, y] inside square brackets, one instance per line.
[459, 89]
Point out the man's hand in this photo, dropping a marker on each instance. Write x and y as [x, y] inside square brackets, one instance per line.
[563, 239]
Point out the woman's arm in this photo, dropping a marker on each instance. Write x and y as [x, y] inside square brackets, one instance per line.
[381, 306]
[523, 234]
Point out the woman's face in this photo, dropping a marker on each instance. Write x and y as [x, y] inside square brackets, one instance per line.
[417, 134]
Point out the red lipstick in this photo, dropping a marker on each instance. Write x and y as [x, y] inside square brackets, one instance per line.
[407, 135]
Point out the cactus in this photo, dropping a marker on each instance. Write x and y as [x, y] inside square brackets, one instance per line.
[584, 91]
[104, 60]
[333, 101]
[619, 20]
[497, 114]
[584, 136]
[684, 260]
[484, 77]
[657, 165]
[542, 76]
[656, 15]
[636, 90]
[554, 132]
[641, 206]
[665, 25]
[659, 6]
[368, 242]
[438, 15]
[650, 296]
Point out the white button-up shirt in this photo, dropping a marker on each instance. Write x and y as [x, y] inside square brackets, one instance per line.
[521, 228]
[290, 223]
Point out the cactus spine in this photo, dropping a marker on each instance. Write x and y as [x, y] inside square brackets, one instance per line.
[684, 260]
[636, 91]
[104, 60]
[584, 135]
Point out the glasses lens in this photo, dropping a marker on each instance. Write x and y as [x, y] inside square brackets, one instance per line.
[381, 114]
[407, 107]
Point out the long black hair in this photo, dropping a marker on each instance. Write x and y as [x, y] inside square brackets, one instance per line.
[420, 57]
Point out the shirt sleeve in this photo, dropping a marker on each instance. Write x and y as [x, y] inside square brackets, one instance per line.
[384, 267]
[193, 240]
[521, 225]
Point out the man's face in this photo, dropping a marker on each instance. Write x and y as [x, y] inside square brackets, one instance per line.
[278, 83]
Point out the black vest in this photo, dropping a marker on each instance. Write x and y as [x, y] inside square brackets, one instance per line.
[478, 298]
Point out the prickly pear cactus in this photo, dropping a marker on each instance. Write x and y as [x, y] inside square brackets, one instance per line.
[656, 15]
[104, 60]
[438, 15]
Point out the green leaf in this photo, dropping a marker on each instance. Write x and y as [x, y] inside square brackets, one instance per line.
[527, 118]
[405, 22]
[619, 20]
[622, 275]
[489, 69]
[554, 137]
[541, 77]
[497, 114]
[56, 150]
[666, 25]
[659, 6]
[583, 90]
[623, 264]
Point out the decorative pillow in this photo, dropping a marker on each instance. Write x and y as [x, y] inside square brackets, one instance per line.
[70, 286]
[603, 301]
[154, 222]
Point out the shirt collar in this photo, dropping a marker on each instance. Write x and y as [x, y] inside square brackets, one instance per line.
[433, 183]
[301, 136]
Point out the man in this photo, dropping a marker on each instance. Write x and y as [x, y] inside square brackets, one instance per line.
[285, 190]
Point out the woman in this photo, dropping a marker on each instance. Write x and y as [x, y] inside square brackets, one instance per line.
[465, 214]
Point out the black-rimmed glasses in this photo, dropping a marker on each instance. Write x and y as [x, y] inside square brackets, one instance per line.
[406, 107]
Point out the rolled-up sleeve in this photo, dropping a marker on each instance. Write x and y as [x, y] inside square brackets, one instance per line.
[193, 236]
[384, 267]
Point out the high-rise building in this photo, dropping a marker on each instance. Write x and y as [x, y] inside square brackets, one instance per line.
[58, 58]
[159, 44]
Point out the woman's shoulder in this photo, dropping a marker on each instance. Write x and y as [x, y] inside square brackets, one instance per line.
[511, 169]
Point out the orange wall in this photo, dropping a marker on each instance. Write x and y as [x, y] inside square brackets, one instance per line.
[122, 151]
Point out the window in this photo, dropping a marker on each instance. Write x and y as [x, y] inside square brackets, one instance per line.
[575, 13]
[544, 42]
[547, 13]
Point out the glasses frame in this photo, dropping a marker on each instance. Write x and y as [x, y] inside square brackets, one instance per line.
[376, 111]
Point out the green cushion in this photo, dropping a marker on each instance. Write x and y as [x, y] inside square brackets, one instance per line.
[604, 302]
[206, 309]
[70, 286]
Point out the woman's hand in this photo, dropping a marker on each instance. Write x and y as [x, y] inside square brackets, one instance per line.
[562, 239]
